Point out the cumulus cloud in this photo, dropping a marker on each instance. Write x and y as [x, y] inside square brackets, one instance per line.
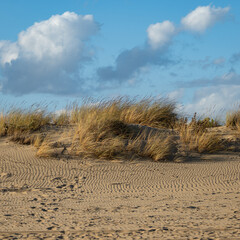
[203, 17]
[47, 56]
[159, 36]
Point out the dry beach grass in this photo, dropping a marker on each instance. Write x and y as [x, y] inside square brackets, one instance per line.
[117, 128]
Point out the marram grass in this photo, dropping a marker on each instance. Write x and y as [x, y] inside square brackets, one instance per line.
[109, 129]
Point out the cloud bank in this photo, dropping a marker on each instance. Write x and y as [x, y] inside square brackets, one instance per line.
[47, 57]
[159, 36]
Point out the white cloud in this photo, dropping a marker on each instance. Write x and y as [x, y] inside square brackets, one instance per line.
[8, 52]
[160, 34]
[176, 95]
[203, 17]
[214, 101]
[46, 57]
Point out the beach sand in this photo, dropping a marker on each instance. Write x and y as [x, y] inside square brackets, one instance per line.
[45, 198]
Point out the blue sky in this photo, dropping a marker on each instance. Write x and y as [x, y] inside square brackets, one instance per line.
[58, 51]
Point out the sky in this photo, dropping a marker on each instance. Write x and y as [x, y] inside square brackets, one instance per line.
[60, 51]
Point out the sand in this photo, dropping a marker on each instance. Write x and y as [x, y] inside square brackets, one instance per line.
[45, 198]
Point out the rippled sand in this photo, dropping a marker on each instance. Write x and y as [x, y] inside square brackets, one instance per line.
[57, 198]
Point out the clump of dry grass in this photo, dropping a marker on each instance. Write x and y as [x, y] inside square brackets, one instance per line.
[208, 143]
[104, 130]
[233, 119]
[46, 150]
[149, 111]
[3, 127]
[62, 119]
[101, 137]
[200, 125]
[18, 121]
[197, 138]
[154, 113]
[38, 140]
[49, 148]
[157, 146]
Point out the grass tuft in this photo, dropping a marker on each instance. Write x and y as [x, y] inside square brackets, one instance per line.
[104, 128]
[157, 146]
[18, 121]
[197, 138]
[233, 119]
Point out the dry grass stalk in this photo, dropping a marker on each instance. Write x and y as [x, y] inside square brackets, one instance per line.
[38, 141]
[3, 128]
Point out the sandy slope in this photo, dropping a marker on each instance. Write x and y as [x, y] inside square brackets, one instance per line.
[57, 199]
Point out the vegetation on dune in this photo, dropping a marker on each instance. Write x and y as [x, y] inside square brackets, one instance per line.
[117, 128]
[21, 121]
[148, 111]
[157, 146]
[233, 119]
[199, 141]
[104, 129]
[196, 137]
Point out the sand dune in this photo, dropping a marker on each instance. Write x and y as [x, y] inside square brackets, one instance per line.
[57, 198]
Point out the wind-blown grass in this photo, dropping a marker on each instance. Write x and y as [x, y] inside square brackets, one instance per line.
[196, 137]
[157, 146]
[233, 119]
[148, 111]
[104, 130]
[18, 121]
[117, 128]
